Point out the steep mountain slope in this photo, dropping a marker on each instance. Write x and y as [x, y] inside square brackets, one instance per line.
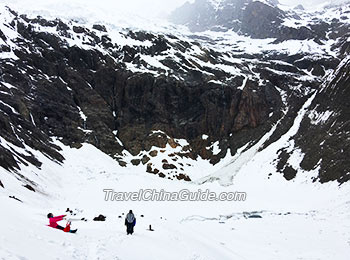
[314, 146]
[168, 101]
[324, 132]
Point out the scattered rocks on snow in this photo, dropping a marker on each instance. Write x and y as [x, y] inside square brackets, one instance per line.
[153, 153]
[99, 27]
[100, 218]
[254, 216]
[184, 177]
[135, 162]
[122, 163]
[169, 166]
[13, 197]
[79, 29]
[29, 187]
[145, 159]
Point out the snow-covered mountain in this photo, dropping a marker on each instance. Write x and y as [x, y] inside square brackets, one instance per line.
[260, 19]
[199, 96]
[240, 95]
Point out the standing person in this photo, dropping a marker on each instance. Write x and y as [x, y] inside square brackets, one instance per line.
[130, 222]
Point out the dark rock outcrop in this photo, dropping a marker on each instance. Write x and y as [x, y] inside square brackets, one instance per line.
[254, 216]
[100, 218]
[325, 132]
[13, 197]
[29, 187]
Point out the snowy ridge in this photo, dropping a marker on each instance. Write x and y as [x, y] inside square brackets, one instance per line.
[229, 43]
[268, 2]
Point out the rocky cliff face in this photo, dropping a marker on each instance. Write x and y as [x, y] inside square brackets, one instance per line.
[137, 95]
[324, 133]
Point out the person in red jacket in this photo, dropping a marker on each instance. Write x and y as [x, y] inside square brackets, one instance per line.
[53, 223]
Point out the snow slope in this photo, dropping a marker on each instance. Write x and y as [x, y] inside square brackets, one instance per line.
[300, 220]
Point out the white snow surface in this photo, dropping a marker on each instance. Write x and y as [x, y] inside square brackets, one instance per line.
[300, 219]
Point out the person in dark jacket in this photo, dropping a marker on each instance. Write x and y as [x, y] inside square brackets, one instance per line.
[130, 222]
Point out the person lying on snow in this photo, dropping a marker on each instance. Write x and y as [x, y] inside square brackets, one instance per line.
[53, 223]
[130, 222]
